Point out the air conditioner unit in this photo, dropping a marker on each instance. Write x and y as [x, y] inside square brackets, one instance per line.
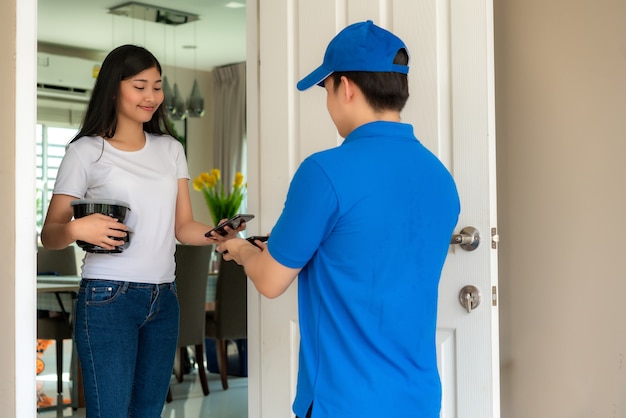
[65, 78]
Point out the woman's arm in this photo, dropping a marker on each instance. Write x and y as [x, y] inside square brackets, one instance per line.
[188, 231]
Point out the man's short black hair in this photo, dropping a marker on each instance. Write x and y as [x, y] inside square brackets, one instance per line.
[383, 91]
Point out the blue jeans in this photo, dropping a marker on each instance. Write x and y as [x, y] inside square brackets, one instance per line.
[126, 336]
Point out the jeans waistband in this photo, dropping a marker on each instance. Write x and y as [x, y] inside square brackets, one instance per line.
[125, 284]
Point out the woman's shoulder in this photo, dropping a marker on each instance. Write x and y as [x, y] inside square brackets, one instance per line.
[165, 138]
[85, 145]
[84, 141]
[165, 141]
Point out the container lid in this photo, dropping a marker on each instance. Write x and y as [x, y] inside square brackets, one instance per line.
[97, 201]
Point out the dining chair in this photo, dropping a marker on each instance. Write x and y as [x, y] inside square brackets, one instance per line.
[192, 268]
[229, 320]
[57, 327]
[56, 262]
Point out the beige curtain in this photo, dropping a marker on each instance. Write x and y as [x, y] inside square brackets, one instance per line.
[229, 102]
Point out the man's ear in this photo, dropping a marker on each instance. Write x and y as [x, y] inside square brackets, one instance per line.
[348, 89]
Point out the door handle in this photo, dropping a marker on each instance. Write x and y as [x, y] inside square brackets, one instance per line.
[468, 238]
[469, 297]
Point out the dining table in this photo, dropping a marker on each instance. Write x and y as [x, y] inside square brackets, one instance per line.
[57, 284]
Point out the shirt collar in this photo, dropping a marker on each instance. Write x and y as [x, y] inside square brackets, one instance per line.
[381, 128]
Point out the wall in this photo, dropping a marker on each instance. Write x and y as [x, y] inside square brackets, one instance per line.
[200, 140]
[7, 212]
[560, 89]
[199, 133]
[17, 215]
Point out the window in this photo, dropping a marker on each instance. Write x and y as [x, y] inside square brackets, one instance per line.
[50, 147]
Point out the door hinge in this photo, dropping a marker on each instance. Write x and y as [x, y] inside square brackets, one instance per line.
[494, 296]
[495, 238]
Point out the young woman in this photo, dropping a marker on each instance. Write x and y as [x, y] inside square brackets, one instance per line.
[126, 320]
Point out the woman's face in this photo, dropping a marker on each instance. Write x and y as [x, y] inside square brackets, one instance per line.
[140, 96]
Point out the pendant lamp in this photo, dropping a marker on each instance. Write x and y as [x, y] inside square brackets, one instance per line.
[180, 110]
[168, 98]
[195, 104]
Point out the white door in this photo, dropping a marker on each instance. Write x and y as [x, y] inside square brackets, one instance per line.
[452, 110]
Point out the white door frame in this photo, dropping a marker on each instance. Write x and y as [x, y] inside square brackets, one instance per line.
[282, 62]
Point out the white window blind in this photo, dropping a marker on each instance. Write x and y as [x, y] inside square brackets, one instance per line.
[50, 147]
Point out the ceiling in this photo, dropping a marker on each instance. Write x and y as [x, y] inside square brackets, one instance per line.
[219, 35]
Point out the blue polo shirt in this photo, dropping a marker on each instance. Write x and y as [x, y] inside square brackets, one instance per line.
[369, 222]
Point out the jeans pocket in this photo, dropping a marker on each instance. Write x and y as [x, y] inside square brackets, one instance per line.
[100, 292]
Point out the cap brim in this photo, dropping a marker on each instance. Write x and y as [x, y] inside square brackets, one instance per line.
[316, 77]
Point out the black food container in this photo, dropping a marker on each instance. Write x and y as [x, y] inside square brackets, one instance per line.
[113, 208]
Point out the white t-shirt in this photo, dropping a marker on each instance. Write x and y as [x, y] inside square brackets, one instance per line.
[148, 181]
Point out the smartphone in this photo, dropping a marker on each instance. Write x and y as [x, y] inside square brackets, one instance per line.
[253, 238]
[233, 222]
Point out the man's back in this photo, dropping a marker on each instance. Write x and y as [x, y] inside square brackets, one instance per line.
[378, 213]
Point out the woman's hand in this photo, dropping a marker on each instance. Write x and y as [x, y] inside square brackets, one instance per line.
[101, 230]
[231, 233]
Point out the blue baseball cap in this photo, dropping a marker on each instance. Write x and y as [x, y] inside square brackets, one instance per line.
[361, 46]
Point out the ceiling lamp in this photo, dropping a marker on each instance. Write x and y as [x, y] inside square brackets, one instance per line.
[195, 103]
[168, 98]
[152, 13]
[180, 110]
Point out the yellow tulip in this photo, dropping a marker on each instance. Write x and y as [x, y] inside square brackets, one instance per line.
[238, 179]
[198, 184]
[220, 202]
[204, 177]
[212, 181]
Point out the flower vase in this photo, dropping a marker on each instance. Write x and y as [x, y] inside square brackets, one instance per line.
[214, 262]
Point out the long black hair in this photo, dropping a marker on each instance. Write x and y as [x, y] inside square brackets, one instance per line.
[120, 64]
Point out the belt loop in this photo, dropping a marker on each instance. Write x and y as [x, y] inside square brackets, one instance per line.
[125, 286]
